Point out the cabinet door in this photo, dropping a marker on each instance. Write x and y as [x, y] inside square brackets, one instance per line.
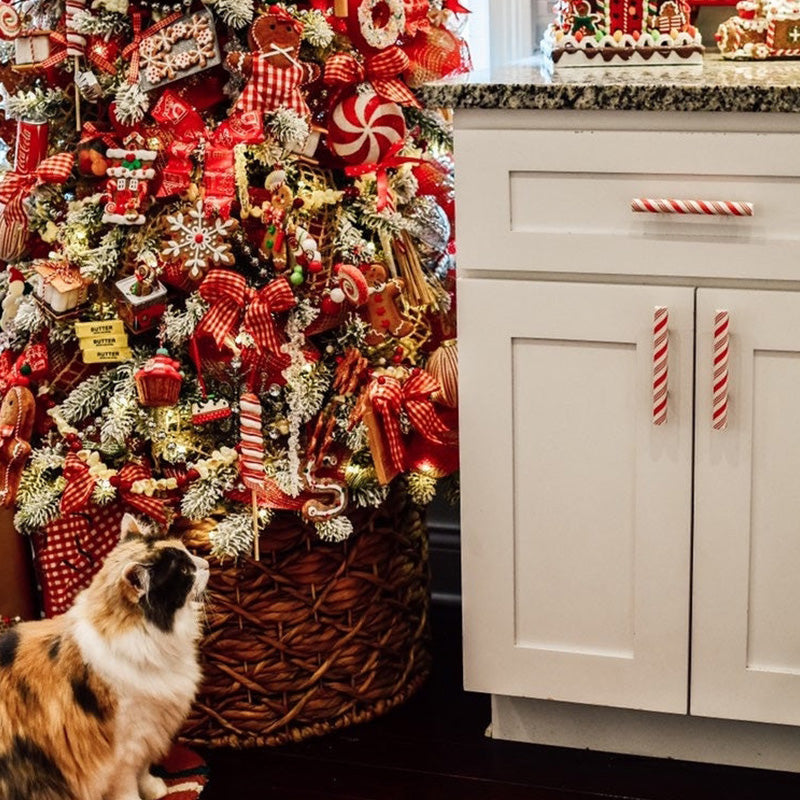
[746, 590]
[575, 506]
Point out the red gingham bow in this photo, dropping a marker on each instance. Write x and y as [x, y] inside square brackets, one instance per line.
[16, 186]
[80, 485]
[132, 50]
[389, 397]
[151, 506]
[390, 160]
[381, 70]
[229, 295]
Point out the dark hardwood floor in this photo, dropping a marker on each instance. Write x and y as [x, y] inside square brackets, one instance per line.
[434, 748]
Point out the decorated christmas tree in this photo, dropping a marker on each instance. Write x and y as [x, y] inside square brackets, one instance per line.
[228, 231]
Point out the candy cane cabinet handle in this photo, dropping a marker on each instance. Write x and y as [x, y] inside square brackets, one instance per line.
[719, 417]
[714, 208]
[660, 363]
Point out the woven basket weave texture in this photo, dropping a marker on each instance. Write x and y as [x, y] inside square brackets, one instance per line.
[315, 636]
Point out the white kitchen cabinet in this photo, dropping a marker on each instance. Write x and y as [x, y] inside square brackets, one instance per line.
[630, 586]
[578, 582]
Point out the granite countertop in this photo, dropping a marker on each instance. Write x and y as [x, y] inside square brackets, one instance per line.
[716, 85]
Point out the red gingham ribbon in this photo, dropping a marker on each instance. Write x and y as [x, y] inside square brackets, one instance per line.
[132, 50]
[91, 131]
[56, 58]
[80, 485]
[229, 295]
[389, 397]
[381, 70]
[16, 186]
[391, 160]
[153, 507]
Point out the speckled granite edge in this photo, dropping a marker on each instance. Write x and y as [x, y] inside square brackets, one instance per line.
[716, 86]
[620, 98]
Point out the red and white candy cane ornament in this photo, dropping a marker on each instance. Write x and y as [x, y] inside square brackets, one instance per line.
[251, 455]
[363, 127]
[76, 49]
[660, 363]
[714, 208]
[720, 379]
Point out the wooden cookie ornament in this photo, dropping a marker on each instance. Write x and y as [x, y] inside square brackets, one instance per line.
[17, 414]
[273, 69]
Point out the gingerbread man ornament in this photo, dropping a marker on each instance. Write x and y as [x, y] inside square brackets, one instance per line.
[17, 414]
[273, 68]
[382, 309]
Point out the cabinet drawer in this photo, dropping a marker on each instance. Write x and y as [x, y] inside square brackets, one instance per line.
[560, 200]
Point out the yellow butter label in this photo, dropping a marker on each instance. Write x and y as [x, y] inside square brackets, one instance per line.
[106, 327]
[97, 355]
[117, 341]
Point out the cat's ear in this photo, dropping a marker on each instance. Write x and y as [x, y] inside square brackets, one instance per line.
[130, 528]
[135, 581]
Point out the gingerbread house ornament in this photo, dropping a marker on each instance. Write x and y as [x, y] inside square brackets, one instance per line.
[129, 172]
[602, 33]
[761, 30]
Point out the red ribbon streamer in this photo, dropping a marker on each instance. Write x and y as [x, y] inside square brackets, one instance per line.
[456, 7]
[380, 168]
[16, 186]
[229, 294]
[381, 70]
[92, 131]
[389, 397]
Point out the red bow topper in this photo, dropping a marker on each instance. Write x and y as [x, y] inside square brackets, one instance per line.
[381, 70]
[80, 485]
[388, 397]
[16, 186]
[391, 160]
[229, 294]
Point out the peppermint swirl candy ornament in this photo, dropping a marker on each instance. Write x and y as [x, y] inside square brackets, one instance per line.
[10, 22]
[363, 127]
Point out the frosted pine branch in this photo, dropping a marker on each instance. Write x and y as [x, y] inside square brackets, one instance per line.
[233, 536]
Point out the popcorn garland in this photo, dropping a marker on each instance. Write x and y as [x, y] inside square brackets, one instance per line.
[185, 206]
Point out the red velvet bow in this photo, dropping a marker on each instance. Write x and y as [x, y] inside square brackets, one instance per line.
[389, 397]
[229, 294]
[381, 70]
[379, 168]
[16, 186]
[132, 50]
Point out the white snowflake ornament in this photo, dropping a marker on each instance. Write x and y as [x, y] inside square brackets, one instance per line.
[198, 241]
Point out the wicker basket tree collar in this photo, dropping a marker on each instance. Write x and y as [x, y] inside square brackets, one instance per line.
[314, 636]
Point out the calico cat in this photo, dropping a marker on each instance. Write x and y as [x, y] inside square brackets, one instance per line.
[90, 699]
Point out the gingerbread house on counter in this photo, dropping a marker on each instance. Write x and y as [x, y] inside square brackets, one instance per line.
[621, 33]
[761, 30]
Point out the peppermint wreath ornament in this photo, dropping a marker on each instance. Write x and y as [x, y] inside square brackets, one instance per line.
[381, 22]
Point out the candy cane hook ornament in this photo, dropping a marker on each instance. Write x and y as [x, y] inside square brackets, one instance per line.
[660, 363]
[331, 496]
[720, 378]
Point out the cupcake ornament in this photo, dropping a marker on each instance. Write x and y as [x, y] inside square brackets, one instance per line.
[158, 382]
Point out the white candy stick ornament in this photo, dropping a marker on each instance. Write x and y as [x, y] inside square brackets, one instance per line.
[251, 455]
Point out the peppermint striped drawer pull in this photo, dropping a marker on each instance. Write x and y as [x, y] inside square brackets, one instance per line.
[719, 414]
[660, 363]
[723, 208]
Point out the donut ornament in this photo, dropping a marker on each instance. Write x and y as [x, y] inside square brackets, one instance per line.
[363, 127]
[375, 24]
